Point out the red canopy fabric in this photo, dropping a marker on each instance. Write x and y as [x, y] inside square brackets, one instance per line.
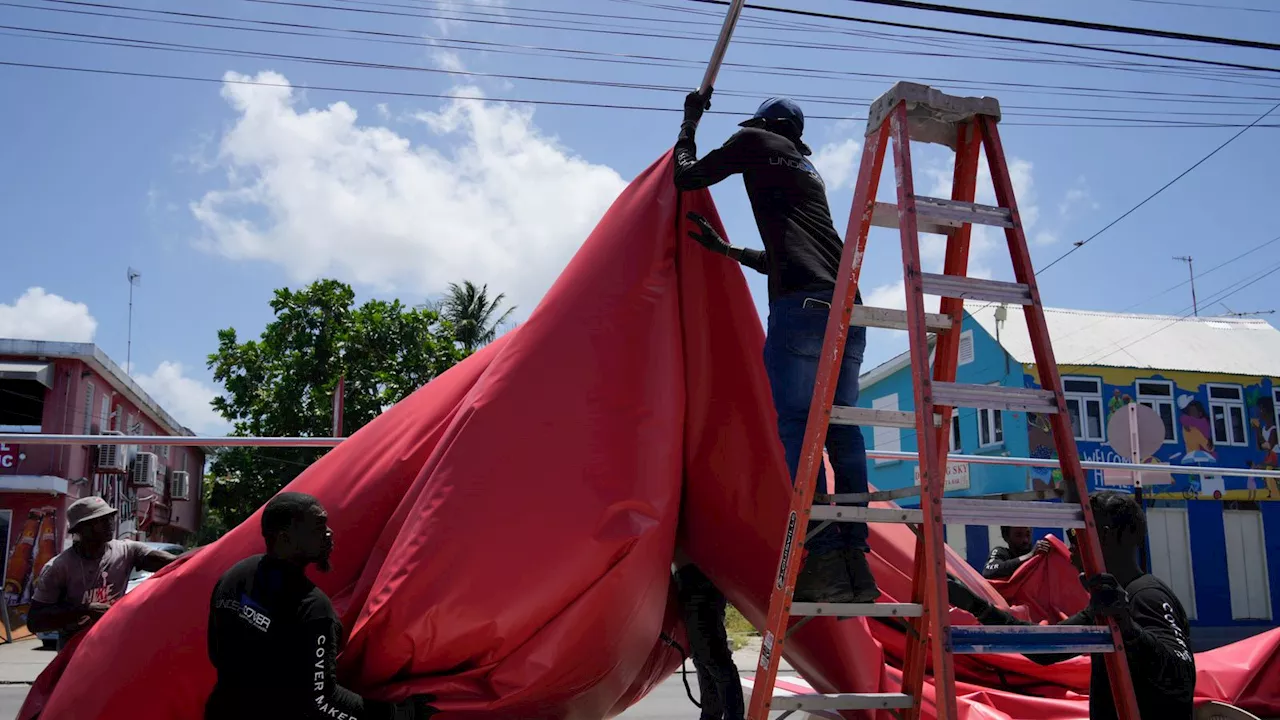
[1047, 585]
[504, 535]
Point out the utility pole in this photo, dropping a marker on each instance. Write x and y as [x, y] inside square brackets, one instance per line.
[1194, 306]
[135, 279]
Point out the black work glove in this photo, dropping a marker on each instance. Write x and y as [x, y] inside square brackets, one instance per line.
[959, 595]
[416, 707]
[707, 236]
[695, 104]
[1108, 600]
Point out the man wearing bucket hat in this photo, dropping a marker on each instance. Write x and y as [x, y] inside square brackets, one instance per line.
[78, 586]
[801, 258]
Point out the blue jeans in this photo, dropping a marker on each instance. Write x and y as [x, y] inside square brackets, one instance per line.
[791, 349]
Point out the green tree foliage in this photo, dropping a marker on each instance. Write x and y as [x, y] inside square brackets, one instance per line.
[474, 315]
[282, 384]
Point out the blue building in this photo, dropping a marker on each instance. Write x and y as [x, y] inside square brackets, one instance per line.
[1214, 382]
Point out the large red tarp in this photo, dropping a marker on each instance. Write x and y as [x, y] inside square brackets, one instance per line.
[504, 535]
[1047, 585]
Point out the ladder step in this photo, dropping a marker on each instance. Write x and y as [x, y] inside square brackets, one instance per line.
[885, 215]
[962, 511]
[1031, 639]
[845, 513]
[967, 288]
[844, 415]
[841, 701]
[1024, 513]
[891, 319]
[959, 212]
[995, 397]
[856, 610]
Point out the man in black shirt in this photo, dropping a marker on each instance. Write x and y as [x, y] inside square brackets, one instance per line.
[703, 606]
[274, 637]
[801, 258]
[1004, 561]
[1152, 621]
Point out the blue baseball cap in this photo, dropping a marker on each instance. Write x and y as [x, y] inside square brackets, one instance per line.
[778, 108]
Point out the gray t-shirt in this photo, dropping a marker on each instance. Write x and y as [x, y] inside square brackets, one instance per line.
[71, 577]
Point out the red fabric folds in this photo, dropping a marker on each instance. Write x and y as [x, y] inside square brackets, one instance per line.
[1047, 585]
[504, 535]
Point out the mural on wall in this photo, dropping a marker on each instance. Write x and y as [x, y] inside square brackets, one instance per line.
[1241, 415]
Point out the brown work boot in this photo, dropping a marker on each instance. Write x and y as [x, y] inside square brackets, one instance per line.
[824, 579]
[863, 583]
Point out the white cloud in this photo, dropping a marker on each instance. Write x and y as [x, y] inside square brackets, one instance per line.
[448, 60]
[38, 315]
[837, 163]
[183, 397]
[319, 194]
[1077, 196]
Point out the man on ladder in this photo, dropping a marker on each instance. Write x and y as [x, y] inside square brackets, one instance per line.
[801, 258]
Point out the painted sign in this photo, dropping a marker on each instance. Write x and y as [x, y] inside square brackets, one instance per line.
[9, 457]
[957, 476]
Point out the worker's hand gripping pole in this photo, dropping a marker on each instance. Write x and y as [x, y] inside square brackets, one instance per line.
[722, 44]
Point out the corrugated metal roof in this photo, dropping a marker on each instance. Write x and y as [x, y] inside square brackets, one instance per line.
[1235, 346]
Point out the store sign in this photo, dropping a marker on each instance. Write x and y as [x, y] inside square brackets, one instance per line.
[957, 477]
[8, 456]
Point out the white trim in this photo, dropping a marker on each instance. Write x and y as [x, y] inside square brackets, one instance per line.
[886, 438]
[966, 343]
[1159, 400]
[990, 423]
[1227, 406]
[89, 397]
[33, 483]
[1082, 400]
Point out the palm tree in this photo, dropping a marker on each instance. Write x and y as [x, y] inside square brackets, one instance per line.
[473, 314]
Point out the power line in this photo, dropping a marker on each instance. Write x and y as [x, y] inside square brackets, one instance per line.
[1078, 24]
[144, 44]
[992, 36]
[1164, 187]
[525, 101]
[389, 37]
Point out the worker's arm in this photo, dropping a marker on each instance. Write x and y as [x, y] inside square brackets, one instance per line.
[51, 610]
[327, 699]
[1001, 564]
[728, 159]
[1153, 641]
[964, 598]
[148, 558]
[711, 240]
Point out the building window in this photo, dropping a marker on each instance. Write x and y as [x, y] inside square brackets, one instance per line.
[88, 408]
[117, 423]
[990, 427]
[955, 430]
[966, 347]
[1158, 395]
[104, 414]
[886, 438]
[1084, 405]
[1226, 410]
[1247, 565]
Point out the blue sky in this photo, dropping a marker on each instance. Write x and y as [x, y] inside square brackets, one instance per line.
[219, 193]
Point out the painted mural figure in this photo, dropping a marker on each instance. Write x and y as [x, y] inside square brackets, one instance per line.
[1197, 436]
[1267, 437]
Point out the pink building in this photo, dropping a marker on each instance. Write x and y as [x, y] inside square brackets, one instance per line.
[75, 389]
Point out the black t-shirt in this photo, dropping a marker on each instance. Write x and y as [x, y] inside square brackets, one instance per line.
[1161, 663]
[274, 639]
[801, 246]
[1001, 564]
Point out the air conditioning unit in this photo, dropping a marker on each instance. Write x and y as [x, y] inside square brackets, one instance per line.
[145, 470]
[112, 457]
[179, 484]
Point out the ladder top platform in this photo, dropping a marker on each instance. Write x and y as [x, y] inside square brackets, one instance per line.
[933, 116]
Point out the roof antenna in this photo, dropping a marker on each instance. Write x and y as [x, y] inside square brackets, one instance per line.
[1187, 259]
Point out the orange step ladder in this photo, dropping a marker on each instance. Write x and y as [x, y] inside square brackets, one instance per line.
[967, 125]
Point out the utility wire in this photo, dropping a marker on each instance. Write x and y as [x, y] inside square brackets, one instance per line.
[1208, 7]
[1064, 22]
[992, 36]
[144, 44]
[1111, 122]
[1164, 187]
[388, 37]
